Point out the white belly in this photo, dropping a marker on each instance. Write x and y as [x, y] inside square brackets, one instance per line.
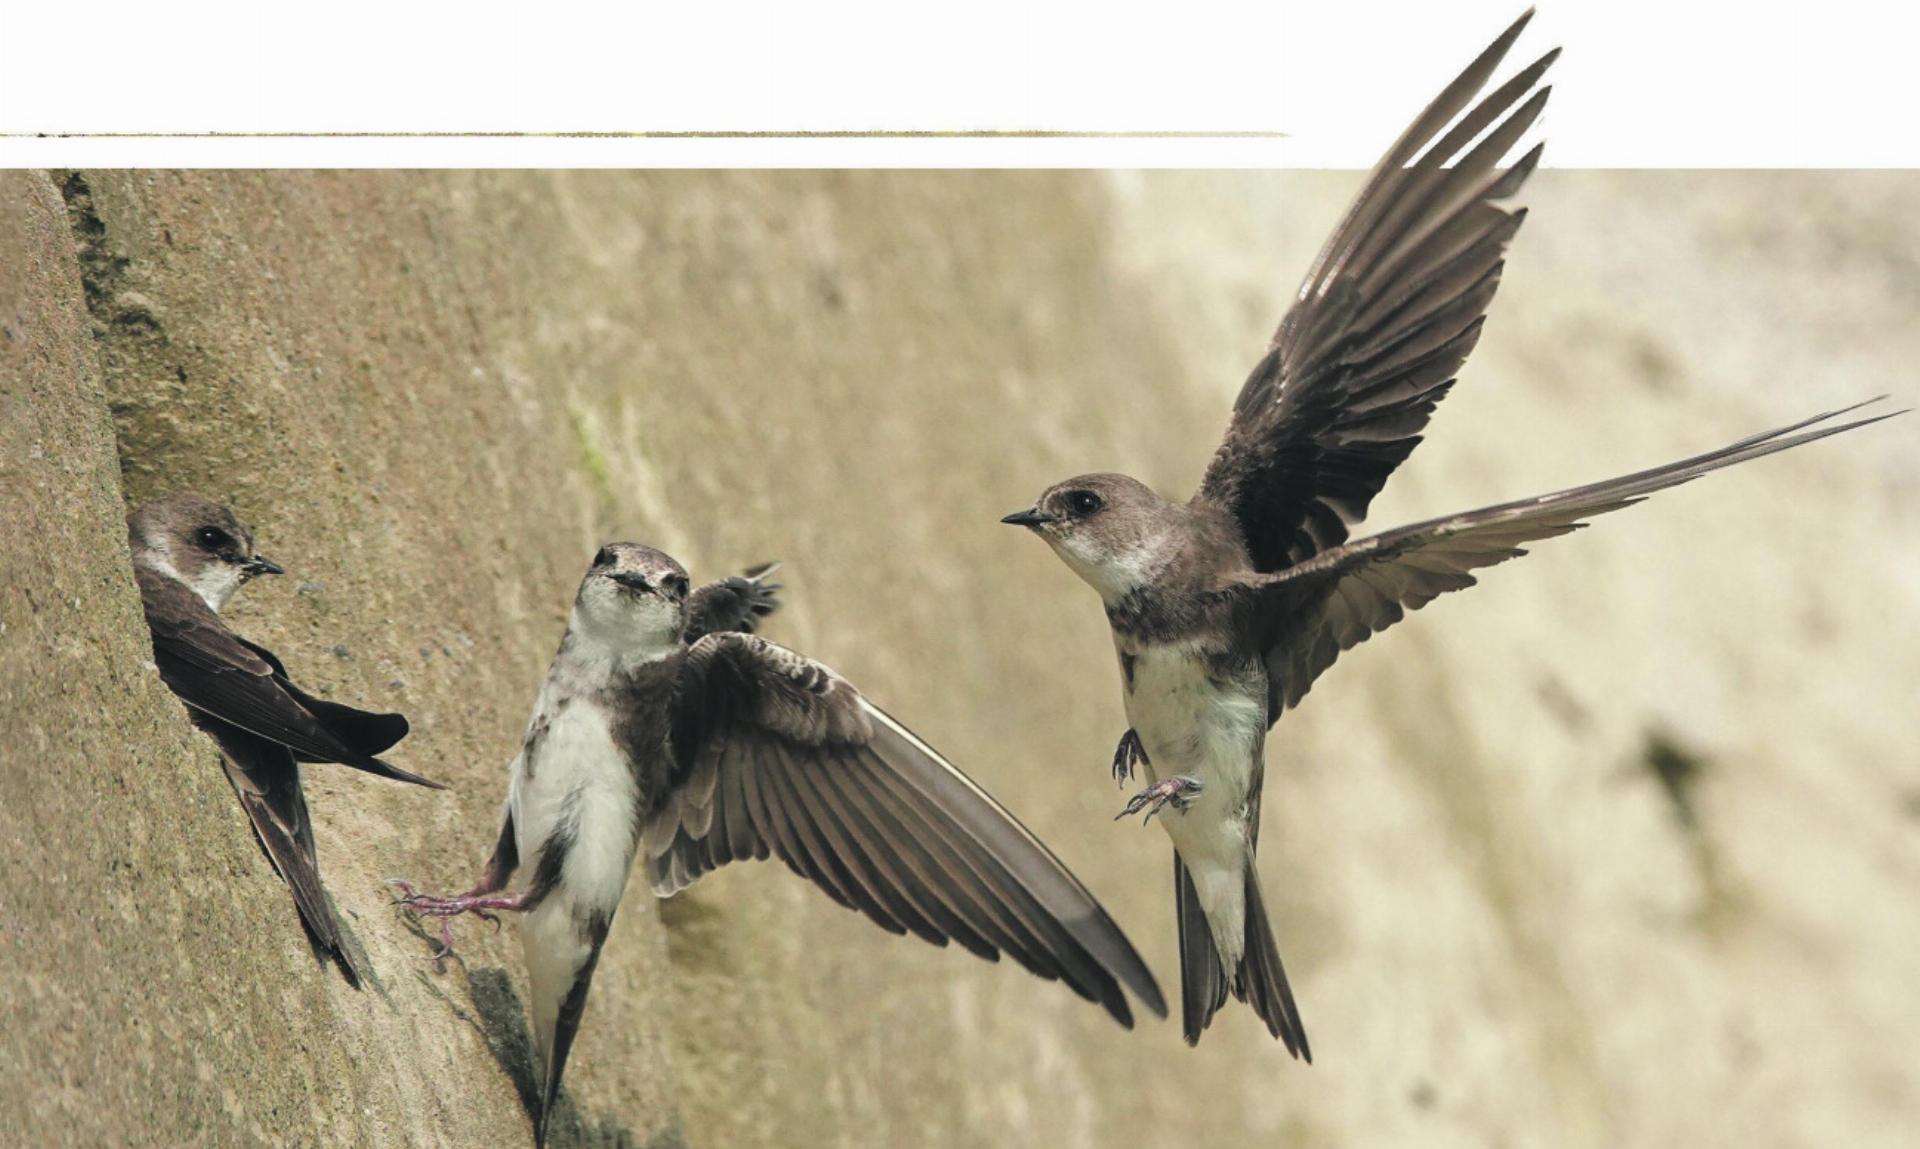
[574, 780]
[1193, 725]
[579, 779]
[1214, 731]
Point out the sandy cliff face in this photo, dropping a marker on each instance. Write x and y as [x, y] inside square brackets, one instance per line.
[1619, 849]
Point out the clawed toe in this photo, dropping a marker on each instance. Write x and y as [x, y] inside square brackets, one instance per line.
[1178, 791]
[447, 908]
[1126, 756]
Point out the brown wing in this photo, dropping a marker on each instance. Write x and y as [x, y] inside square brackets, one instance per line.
[217, 673]
[1340, 598]
[267, 782]
[1387, 314]
[778, 756]
[362, 730]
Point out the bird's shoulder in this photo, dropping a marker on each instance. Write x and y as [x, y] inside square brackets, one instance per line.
[185, 627]
[732, 680]
[639, 704]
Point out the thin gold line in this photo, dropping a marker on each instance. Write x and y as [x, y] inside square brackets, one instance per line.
[1042, 134]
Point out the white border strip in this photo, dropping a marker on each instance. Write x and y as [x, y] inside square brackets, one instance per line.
[1643, 82]
[563, 152]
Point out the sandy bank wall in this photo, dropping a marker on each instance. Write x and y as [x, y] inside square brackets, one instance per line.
[1620, 849]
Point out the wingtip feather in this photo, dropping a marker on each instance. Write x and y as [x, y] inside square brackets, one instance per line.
[1506, 38]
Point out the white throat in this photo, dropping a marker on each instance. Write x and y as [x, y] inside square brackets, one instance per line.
[645, 634]
[1114, 573]
[215, 583]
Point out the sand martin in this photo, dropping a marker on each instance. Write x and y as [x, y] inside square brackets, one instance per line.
[1226, 607]
[665, 729]
[189, 557]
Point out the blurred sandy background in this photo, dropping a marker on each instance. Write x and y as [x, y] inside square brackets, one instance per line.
[1620, 848]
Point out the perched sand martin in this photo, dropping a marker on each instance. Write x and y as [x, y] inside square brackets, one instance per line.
[664, 727]
[1226, 607]
[189, 557]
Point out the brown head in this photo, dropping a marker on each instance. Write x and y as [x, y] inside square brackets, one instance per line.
[198, 542]
[633, 602]
[1114, 531]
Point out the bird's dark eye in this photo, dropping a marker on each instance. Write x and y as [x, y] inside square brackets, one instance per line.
[212, 539]
[604, 558]
[1083, 503]
[677, 584]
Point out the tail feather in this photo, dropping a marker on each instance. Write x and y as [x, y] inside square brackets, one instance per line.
[562, 950]
[382, 768]
[267, 783]
[294, 858]
[1260, 980]
[1203, 984]
[566, 1025]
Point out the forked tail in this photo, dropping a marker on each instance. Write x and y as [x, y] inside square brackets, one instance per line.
[1260, 980]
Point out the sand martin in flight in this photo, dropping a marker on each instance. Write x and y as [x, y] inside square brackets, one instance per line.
[1226, 607]
[665, 729]
[189, 557]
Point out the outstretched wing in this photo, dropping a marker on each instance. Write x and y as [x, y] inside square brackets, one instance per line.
[1308, 614]
[217, 673]
[1387, 314]
[778, 756]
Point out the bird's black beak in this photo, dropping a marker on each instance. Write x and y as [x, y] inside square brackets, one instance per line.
[630, 580]
[1027, 518]
[259, 565]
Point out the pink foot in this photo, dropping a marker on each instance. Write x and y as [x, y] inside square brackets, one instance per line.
[480, 904]
[1179, 792]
